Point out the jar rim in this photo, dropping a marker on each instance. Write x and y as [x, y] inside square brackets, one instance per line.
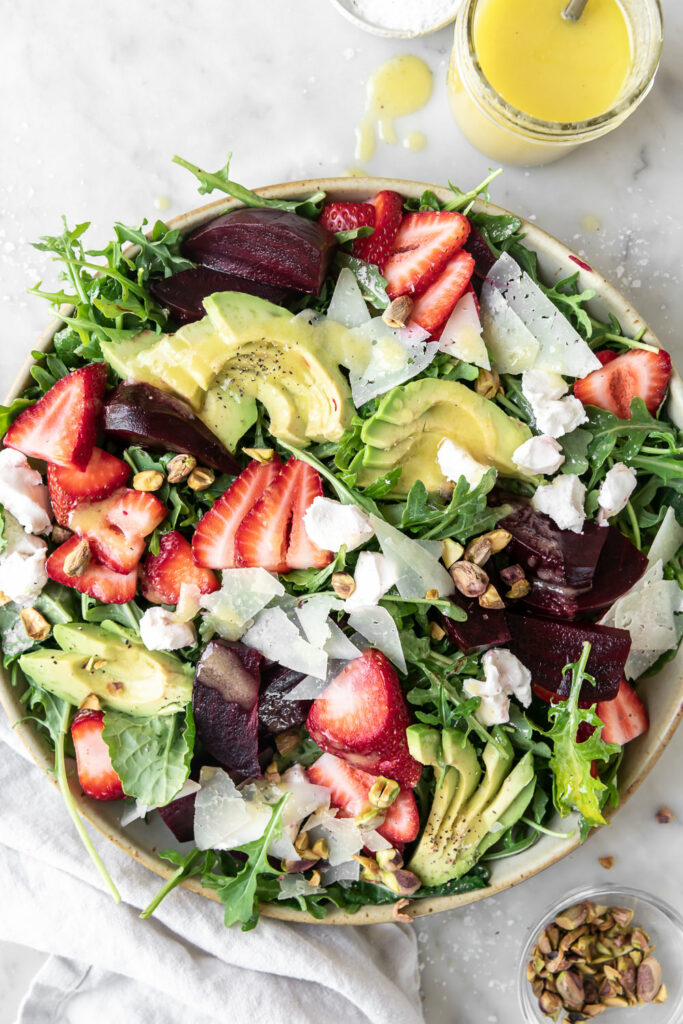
[568, 131]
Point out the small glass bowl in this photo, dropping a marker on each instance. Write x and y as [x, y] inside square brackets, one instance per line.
[665, 928]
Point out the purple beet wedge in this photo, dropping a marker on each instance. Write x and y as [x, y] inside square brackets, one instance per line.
[276, 712]
[477, 247]
[620, 565]
[145, 415]
[182, 293]
[546, 646]
[550, 554]
[274, 247]
[179, 817]
[482, 629]
[225, 706]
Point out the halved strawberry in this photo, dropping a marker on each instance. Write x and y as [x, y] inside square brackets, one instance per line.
[162, 575]
[623, 718]
[95, 771]
[349, 788]
[263, 535]
[433, 307]
[116, 527]
[302, 553]
[346, 216]
[98, 580]
[61, 427]
[424, 244]
[606, 356]
[637, 374]
[362, 717]
[388, 216]
[213, 543]
[69, 486]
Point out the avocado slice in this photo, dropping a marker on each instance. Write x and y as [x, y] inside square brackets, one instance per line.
[123, 357]
[228, 415]
[508, 818]
[456, 774]
[233, 315]
[130, 678]
[413, 419]
[498, 757]
[481, 824]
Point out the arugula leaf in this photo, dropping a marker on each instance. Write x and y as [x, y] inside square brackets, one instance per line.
[353, 233]
[3, 539]
[464, 516]
[8, 413]
[463, 200]
[53, 715]
[196, 862]
[570, 301]
[574, 788]
[127, 615]
[372, 284]
[240, 893]
[151, 755]
[575, 451]
[220, 179]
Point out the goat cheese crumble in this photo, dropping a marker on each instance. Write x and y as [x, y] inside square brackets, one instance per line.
[160, 630]
[504, 676]
[615, 490]
[555, 412]
[563, 500]
[23, 493]
[455, 462]
[541, 454]
[22, 564]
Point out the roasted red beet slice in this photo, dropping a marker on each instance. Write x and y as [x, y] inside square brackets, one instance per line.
[272, 246]
[179, 817]
[483, 628]
[550, 554]
[225, 706]
[142, 414]
[182, 293]
[546, 646]
[277, 713]
[483, 256]
[620, 565]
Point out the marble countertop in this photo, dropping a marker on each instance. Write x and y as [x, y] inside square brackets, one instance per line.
[96, 101]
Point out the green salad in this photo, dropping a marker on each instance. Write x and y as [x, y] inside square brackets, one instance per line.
[336, 537]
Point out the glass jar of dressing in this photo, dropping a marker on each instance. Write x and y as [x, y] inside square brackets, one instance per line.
[527, 86]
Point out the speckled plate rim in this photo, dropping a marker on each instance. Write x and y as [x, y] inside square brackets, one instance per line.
[665, 691]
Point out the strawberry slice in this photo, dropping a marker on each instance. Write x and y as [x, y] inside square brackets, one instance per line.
[213, 543]
[302, 553]
[70, 486]
[262, 536]
[116, 527]
[163, 574]
[95, 771]
[606, 356]
[424, 244]
[377, 247]
[61, 426]
[362, 717]
[346, 216]
[435, 305]
[349, 788]
[98, 580]
[636, 374]
[623, 718]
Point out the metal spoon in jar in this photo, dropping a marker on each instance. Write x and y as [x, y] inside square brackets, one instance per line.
[574, 10]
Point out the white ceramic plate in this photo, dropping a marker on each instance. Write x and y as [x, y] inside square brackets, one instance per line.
[663, 693]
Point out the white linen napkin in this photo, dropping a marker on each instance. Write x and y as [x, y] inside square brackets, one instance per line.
[182, 965]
